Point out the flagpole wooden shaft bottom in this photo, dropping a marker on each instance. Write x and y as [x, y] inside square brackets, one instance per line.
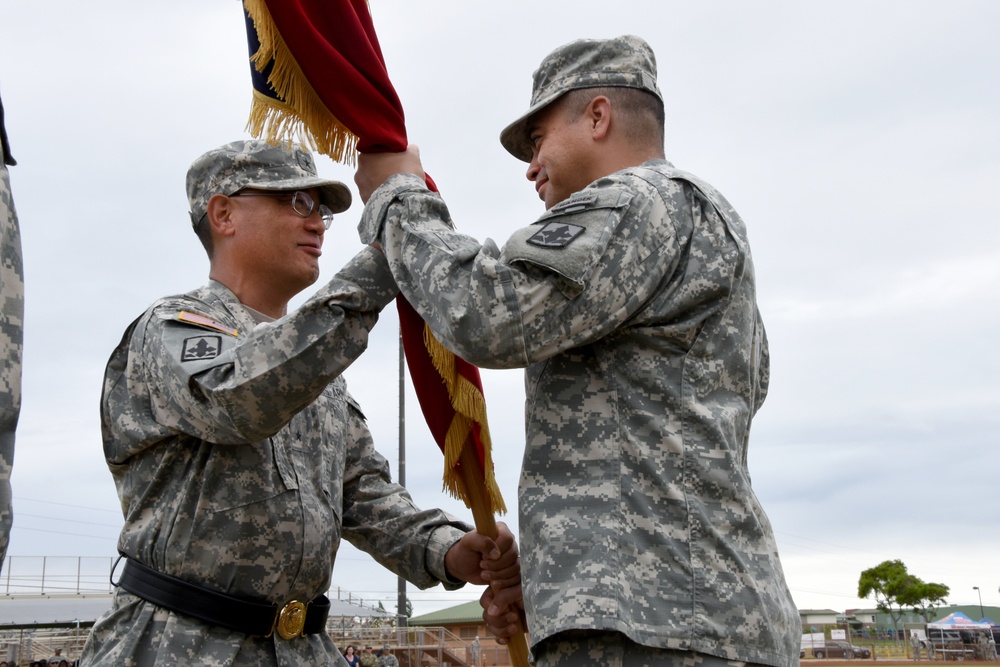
[482, 515]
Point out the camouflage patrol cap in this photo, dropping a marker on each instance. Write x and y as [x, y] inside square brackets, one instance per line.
[625, 61]
[257, 164]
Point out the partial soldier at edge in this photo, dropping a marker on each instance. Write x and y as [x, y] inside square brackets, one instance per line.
[11, 335]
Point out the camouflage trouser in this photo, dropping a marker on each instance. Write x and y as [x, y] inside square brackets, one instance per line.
[11, 333]
[613, 649]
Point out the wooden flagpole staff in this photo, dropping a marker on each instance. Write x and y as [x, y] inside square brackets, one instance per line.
[319, 77]
[482, 514]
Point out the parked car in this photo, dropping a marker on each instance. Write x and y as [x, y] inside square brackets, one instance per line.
[944, 637]
[839, 649]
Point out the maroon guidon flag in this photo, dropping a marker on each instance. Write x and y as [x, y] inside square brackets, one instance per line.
[319, 79]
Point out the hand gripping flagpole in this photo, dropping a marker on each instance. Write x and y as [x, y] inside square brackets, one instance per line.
[319, 77]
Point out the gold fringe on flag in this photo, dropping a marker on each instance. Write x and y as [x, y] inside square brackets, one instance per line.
[470, 408]
[301, 117]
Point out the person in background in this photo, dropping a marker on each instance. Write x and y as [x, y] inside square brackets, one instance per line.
[368, 658]
[239, 456]
[476, 651]
[632, 304]
[386, 658]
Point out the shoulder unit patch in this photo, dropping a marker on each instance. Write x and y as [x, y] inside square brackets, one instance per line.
[200, 348]
[556, 235]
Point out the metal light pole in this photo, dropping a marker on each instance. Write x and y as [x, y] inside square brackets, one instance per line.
[401, 620]
[981, 614]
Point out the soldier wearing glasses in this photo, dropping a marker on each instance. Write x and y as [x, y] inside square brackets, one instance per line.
[240, 458]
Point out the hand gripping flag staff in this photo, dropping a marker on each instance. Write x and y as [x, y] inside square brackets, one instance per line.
[319, 78]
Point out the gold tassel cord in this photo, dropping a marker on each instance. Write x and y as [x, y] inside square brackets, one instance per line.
[300, 116]
[470, 408]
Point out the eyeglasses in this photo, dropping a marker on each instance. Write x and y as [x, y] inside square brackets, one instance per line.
[302, 203]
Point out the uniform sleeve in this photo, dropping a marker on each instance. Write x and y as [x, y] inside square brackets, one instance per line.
[573, 277]
[242, 386]
[381, 519]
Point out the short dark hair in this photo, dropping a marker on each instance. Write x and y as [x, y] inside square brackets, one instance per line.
[640, 112]
[204, 231]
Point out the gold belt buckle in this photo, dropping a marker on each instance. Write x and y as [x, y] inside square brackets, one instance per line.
[291, 620]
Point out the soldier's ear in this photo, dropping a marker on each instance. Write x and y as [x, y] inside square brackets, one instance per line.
[221, 210]
[599, 116]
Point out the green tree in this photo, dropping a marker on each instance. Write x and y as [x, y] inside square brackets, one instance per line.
[884, 582]
[379, 621]
[893, 586]
[923, 598]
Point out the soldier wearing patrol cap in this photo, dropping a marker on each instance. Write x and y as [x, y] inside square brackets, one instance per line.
[631, 302]
[239, 456]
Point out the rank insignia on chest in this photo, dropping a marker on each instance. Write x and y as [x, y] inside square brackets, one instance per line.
[199, 348]
[556, 235]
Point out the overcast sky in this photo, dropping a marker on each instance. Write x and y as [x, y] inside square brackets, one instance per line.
[860, 140]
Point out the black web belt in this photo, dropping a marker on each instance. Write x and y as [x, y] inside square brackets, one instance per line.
[233, 613]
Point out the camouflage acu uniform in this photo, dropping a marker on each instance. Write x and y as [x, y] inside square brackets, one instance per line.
[11, 335]
[632, 306]
[241, 460]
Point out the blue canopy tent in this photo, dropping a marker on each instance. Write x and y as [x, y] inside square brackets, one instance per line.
[959, 621]
[956, 635]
